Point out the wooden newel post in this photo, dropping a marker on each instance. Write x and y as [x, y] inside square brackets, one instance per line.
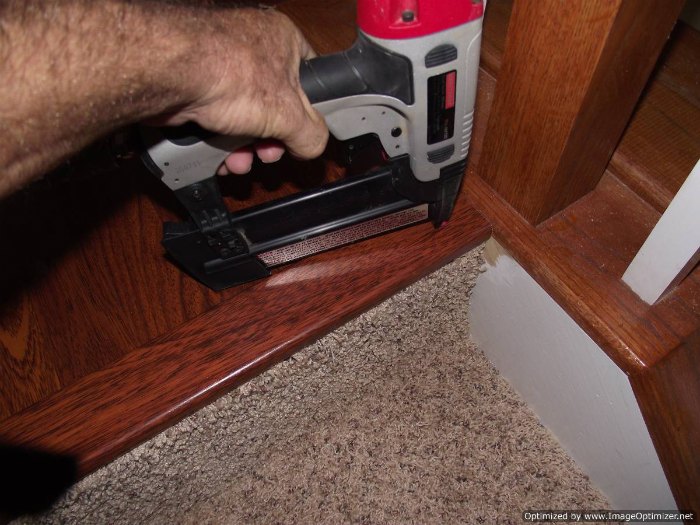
[571, 75]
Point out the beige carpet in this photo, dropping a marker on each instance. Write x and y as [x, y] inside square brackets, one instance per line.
[394, 418]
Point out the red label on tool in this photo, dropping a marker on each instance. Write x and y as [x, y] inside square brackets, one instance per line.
[450, 87]
[441, 106]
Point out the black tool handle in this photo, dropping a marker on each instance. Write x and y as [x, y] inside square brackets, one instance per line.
[365, 68]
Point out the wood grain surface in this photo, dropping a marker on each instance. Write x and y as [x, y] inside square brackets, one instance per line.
[100, 247]
[662, 141]
[84, 282]
[578, 257]
[104, 342]
[111, 410]
[679, 67]
[669, 396]
[566, 91]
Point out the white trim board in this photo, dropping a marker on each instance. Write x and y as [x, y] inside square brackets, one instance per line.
[673, 247]
[571, 384]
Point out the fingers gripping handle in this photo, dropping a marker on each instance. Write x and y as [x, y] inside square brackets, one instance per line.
[189, 154]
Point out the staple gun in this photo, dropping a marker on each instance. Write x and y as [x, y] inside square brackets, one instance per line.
[408, 84]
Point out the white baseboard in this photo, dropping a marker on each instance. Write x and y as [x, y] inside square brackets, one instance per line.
[574, 388]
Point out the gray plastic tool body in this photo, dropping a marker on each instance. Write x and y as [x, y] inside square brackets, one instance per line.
[359, 114]
[415, 95]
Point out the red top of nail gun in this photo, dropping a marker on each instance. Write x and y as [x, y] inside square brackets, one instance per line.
[396, 19]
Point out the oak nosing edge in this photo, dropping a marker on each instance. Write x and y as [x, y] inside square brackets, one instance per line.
[97, 454]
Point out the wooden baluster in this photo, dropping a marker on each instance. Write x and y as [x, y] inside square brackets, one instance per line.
[571, 75]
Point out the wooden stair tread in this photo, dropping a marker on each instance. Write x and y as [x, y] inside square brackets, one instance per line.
[580, 254]
[112, 409]
[662, 141]
[578, 257]
[103, 342]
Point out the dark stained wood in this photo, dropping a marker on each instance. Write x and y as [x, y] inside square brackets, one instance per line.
[138, 368]
[100, 248]
[104, 342]
[578, 257]
[662, 141]
[84, 282]
[660, 146]
[567, 87]
[669, 397]
[607, 228]
[111, 410]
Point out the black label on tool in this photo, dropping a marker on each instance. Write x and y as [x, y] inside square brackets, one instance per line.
[442, 90]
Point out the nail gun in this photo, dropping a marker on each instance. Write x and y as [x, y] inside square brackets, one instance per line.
[408, 83]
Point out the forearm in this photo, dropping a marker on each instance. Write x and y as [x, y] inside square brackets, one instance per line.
[75, 70]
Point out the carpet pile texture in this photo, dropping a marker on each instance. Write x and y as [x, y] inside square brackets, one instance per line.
[396, 417]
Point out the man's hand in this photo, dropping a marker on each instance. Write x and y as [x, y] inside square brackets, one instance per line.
[258, 94]
[76, 70]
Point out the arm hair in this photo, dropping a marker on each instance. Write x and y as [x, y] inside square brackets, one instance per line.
[74, 70]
